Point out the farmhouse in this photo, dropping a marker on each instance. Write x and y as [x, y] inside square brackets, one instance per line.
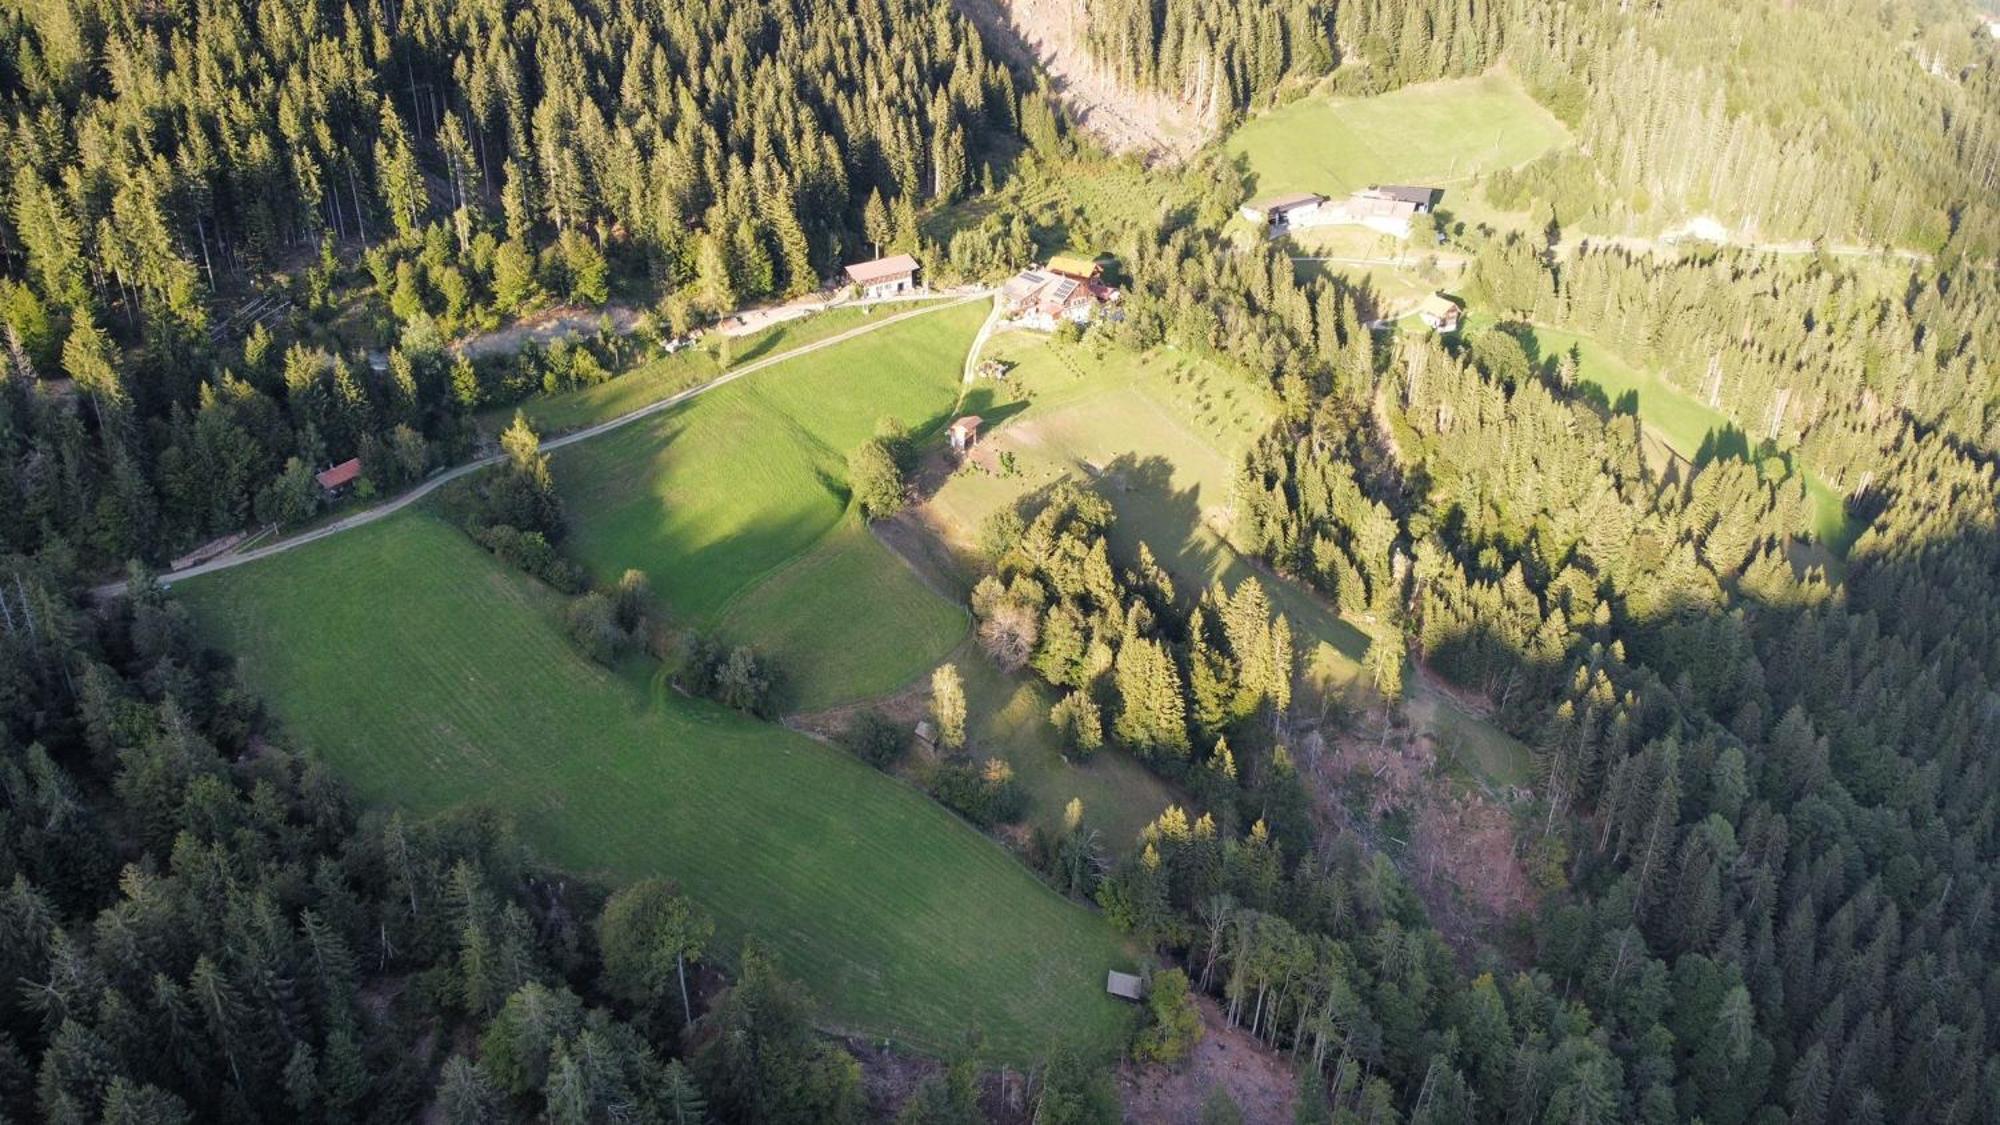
[334, 481]
[1439, 312]
[964, 432]
[1284, 210]
[1125, 986]
[1044, 298]
[883, 277]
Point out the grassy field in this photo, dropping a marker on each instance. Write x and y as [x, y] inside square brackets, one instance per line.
[1681, 420]
[669, 374]
[1160, 433]
[1437, 133]
[429, 675]
[845, 596]
[1008, 717]
[1392, 287]
[734, 505]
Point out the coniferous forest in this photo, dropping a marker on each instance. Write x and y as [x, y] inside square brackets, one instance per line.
[1764, 825]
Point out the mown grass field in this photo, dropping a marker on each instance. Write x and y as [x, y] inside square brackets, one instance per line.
[1160, 434]
[670, 374]
[429, 675]
[1437, 133]
[1682, 421]
[733, 504]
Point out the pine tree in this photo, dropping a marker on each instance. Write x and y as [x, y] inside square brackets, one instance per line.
[875, 225]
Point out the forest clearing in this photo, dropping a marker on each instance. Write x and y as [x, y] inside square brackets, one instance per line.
[1446, 133]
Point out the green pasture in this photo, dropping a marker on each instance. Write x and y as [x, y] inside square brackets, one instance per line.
[1008, 718]
[744, 488]
[1436, 133]
[846, 595]
[429, 675]
[670, 374]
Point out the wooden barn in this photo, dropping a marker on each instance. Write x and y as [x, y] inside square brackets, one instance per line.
[883, 277]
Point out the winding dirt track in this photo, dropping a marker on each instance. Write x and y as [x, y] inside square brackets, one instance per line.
[391, 507]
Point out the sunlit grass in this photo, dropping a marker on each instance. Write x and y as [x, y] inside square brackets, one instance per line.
[1434, 133]
[741, 486]
[428, 675]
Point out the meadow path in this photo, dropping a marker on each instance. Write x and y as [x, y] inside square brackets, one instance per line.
[391, 507]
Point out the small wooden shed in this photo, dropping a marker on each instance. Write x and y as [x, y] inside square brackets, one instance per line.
[1125, 986]
[333, 481]
[964, 432]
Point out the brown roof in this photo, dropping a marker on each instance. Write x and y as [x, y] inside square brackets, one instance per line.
[966, 424]
[344, 473]
[1439, 307]
[881, 269]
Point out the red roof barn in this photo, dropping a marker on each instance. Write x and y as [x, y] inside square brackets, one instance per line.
[341, 475]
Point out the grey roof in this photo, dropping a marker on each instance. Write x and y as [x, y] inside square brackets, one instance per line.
[1124, 985]
[1421, 196]
[1287, 202]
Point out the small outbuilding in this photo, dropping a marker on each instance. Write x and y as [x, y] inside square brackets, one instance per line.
[883, 277]
[1125, 986]
[964, 432]
[338, 479]
[1076, 267]
[1440, 312]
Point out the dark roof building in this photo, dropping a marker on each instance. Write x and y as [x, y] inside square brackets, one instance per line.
[1422, 198]
[1278, 210]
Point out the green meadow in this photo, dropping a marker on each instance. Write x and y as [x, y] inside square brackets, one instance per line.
[1439, 133]
[735, 506]
[430, 675]
[667, 375]
[1008, 718]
